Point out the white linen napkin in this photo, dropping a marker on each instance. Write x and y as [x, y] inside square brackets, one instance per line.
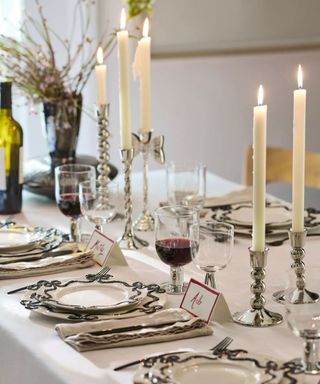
[234, 197]
[165, 325]
[47, 265]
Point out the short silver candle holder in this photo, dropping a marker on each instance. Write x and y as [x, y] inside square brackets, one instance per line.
[102, 112]
[129, 240]
[258, 316]
[298, 295]
[145, 144]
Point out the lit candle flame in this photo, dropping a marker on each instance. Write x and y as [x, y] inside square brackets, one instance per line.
[300, 77]
[260, 95]
[145, 31]
[123, 19]
[100, 55]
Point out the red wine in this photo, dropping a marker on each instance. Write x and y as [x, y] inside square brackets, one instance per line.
[69, 205]
[174, 251]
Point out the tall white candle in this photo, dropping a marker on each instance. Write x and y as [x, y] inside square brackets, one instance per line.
[259, 173]
[101, 76]
[141, 69]
[298, 161]
[124, 84]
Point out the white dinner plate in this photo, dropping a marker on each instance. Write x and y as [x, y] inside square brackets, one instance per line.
[202, 368]
[95, 297]
[24, 238]
[19, 238]
[151, 302]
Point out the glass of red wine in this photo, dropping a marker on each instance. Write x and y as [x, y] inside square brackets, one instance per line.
[176, 237]
[67, 180]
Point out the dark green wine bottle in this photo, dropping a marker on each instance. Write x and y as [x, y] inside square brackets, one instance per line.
[11, 155]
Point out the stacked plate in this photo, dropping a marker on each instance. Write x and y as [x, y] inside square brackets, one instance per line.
[278, 219]
[26, 241]
[88, 299]
[27, 250]
[231, 368]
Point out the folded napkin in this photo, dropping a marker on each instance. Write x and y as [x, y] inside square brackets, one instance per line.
[166, 325]
[234, 197]
[79, 258]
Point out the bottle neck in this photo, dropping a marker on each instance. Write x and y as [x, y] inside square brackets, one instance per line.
[5, 96]
[5, 112]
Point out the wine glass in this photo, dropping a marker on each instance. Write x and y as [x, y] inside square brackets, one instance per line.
[67, 180]
[186, 185]
[304, 321]
[98, 202]
[215, 248]
[176, 234]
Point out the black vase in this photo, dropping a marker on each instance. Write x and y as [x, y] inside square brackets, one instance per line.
[62, 122]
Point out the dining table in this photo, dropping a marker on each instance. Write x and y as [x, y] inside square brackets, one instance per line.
[31, 352]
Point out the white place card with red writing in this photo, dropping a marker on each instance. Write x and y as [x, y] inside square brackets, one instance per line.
[203, 301]
[106, 251]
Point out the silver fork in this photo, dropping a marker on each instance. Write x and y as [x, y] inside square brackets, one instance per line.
[216, 349]
[101, 273]
[222, 345]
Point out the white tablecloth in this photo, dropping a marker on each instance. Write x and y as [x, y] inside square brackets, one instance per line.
[31, 352]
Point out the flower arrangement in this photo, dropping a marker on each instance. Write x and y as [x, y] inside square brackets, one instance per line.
[31, 63]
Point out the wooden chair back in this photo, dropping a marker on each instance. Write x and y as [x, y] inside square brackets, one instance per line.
[279, 167]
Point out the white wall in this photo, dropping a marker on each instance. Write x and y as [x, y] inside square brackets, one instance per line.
[203, 105]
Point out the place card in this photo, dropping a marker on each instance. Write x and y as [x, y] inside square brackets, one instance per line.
[203, 301]
[106, 251]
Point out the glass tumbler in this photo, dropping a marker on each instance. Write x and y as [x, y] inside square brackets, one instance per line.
[215, 248]
[186, 185]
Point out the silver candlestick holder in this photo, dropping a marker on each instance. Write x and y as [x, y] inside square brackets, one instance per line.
[145, 144]
[298, 295]
[102, 112]
[258, 316]
[129, 240]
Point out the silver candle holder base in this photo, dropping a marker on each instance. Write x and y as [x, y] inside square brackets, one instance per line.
[298, 295]
[145, 144]
[129, 240]
[258, 316]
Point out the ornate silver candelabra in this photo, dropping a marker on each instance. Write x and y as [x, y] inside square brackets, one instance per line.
[102, 112]
[145, 144]
[298, 295]
[258, 316]
[129, 240]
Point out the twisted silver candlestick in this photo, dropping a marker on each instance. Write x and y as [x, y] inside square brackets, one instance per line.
[102, 112]
[145, 144]
[129, 240]
[258, 316]
[298, 295]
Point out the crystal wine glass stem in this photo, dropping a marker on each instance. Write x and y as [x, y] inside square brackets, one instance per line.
[210, 280]
[75, 234]
[176, 276]
[311, 356]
